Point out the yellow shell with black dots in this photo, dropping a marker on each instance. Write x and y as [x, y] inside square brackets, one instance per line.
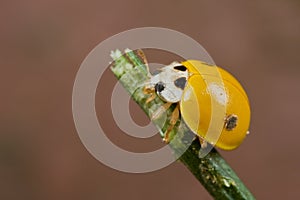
[214, 105]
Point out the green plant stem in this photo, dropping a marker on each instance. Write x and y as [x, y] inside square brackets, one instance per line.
[212, 171]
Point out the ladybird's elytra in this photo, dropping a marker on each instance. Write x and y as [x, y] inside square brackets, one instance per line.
[198, 88]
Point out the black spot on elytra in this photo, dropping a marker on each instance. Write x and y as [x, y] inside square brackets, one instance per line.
[180, 68]
[231, 122]
[180, 82]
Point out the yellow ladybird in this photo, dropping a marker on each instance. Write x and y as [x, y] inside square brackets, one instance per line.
[211, 101]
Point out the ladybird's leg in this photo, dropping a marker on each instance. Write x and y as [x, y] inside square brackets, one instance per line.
[203, 143]
[173, 120]
[151, 98]
[160, 111]
[142, 55]
[148, 90]
[151, 91]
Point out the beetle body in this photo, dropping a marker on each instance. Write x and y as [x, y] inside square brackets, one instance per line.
[212, 103]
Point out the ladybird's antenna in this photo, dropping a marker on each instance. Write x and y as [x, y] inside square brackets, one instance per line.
[141, 63]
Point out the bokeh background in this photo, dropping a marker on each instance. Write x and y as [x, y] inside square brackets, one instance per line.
[42, 44]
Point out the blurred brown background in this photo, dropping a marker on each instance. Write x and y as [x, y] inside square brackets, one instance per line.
[42, 45]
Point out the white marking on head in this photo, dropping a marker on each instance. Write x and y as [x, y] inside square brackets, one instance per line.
[167, 76]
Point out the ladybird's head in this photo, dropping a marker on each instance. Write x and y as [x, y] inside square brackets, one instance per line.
[169, 82]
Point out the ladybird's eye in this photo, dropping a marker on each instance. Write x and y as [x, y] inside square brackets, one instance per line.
[180, 82]
[180, 68]
[160, 86]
